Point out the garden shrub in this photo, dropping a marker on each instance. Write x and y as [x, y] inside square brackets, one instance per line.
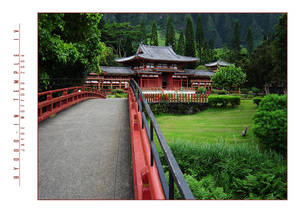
[117, 91]
[219, 92]
[270, 122]
[121, 95]
[223, 100]
[201, 90]
[226, 171]
[257, 100]
[244, 90]
[254, 90]
[176, 107]
[247, 96]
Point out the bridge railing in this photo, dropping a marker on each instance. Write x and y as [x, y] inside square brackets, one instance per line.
[175, 174]
[54, 101]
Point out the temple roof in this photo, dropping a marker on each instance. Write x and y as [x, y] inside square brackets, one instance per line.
[218, 63]
[160, 53]
[200, 73]
[117, 70]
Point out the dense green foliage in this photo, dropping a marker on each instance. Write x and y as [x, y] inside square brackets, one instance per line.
[226, 171]
[180, 44]
[189, 39]
[267, 67]
[201, 90]
[170, 34]
[144, 39]
[118, 93]
[177, 107]
[123, 38]
[199, 38]
[69, 47]
[250, 41]
[228, 77]
[257, 100]
[223, 100]
[215, 25]
[271, 122]
[235, 42]
[154, 35]
[219, 92]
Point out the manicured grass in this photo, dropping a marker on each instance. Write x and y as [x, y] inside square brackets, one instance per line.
[210, 126]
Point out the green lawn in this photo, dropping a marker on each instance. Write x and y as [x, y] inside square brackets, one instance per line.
[211, 125]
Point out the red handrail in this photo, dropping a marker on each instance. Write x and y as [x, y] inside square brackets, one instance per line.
[52, 105]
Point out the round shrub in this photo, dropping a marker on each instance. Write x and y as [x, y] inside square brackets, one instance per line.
[117, 91]
[201, 90]
[257, 100]
[270, 122]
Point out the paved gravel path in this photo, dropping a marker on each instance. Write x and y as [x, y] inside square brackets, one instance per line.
[85, 153]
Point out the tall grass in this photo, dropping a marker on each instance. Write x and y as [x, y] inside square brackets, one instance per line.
[225, 171]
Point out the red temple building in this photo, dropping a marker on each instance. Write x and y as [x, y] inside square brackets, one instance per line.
[154, 67]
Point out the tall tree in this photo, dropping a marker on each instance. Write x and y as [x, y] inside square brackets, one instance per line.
[199, 36]
[235, 43]
[189, 38]
[69, 47]
[279, 72]
[249, 41]
[260, 67]
[170, 34]
[116, 36]
[154, 35]
[211, 50]
[180, 43]
[143, 32]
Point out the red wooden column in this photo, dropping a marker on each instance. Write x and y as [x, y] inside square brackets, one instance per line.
[187, 84]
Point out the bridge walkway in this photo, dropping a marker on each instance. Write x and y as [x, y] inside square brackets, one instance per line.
[84, 152]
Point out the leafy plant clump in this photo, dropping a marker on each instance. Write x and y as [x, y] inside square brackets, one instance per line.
[201, 90]
[224, 171]
[219, 92]
[228, 77]
[257, 100]
[223, 100]
[270, 122]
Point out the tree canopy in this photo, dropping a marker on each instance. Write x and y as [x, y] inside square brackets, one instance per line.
[228, 77]
[69, 48]
[154, 35]
[189, 38]
[180, 44]
[170, 34]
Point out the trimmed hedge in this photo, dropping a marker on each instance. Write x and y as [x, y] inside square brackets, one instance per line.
[117, 91]
[270, 122]
[219, 92]
[257, 100]
[223, 100]
[177, 107]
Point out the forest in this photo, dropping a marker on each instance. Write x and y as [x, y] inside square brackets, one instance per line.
[72, 45]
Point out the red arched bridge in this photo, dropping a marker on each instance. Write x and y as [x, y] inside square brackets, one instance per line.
[102, 148]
